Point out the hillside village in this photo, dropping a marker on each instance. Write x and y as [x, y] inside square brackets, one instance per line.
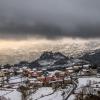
[50, 77]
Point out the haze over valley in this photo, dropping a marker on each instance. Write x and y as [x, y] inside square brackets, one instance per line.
[29, 50]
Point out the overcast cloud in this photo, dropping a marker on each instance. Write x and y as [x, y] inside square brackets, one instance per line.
[20, 19]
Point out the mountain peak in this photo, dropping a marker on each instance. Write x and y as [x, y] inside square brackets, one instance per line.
[51, 55]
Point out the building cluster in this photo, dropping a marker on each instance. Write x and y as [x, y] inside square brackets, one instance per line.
[43, 77]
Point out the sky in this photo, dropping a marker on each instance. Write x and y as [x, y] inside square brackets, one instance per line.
[50, 19]
[31, 26]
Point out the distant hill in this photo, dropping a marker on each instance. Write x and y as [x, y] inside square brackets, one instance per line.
[93, 57]
[47, 59]
[50, 55]
[50, 59]
[55, 60]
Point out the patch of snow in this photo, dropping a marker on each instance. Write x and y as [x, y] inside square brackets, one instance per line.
[56, 96]
[85, 81]
[13, 95]
[72, 97]
[41, 92]
[16, 79]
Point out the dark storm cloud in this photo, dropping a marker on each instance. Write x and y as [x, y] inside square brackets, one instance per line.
[49, 18]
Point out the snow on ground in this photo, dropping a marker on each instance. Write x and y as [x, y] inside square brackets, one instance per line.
[85, 81]
[72, 97]
[32, 79]
[56, 96]
[41, 92]
[12, 95]
[3, 92]
[15, 95]
[16, 79]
